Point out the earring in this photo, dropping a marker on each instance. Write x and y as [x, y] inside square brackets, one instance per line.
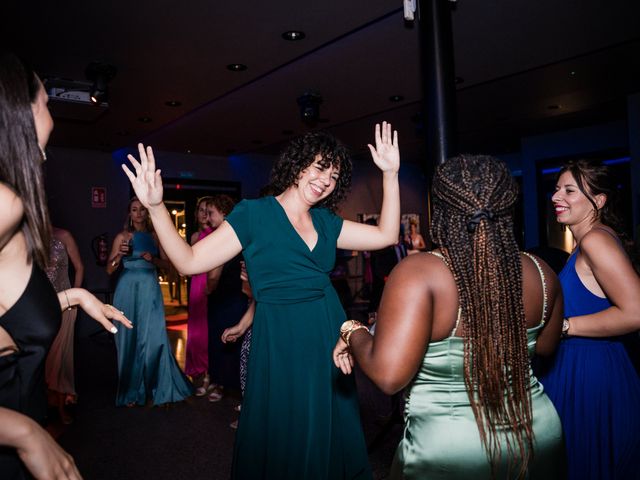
[43, 154]
[130, 222]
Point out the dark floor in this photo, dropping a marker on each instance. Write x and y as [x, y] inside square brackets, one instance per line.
[191, 440]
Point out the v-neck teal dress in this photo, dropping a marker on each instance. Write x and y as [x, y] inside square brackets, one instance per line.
[299, 416]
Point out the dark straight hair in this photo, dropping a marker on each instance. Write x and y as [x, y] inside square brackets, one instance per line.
[20, 156]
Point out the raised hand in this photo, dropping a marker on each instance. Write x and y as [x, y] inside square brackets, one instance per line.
[386, 153]
[146, 182]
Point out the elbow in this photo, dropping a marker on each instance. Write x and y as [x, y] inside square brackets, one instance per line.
[390, 387]
[390, 384]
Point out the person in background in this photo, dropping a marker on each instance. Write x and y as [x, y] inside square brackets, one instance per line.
[298, 414]
[457, 327]
[592, 381]
[227, 303]
[197, 362]
[146, 365]
[30, 310]
[414, 240]
[59, 367]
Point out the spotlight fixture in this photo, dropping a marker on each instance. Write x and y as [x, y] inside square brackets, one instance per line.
[293, 35]
[237, 67]
[396, 98]
[309, 103]
[145, 119]
[100, 74]
[173, 103]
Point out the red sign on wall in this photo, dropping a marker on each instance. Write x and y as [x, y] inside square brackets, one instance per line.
[98, 197]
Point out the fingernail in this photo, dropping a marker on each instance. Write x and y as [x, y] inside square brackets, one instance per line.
[113, 330]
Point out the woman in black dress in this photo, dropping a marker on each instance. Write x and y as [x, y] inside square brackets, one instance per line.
[29, 307]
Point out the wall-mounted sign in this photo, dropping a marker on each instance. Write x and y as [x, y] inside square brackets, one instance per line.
[98, 197]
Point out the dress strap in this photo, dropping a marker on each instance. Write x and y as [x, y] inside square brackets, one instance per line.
[544, 287]
[444, 259]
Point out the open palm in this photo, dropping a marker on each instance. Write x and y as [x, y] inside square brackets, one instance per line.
[146, 181]
[386, 153]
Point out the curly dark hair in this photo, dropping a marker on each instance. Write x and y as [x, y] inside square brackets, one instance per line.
[301, 153]
[473, 205]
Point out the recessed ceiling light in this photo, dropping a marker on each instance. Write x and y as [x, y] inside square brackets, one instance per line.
[293, 35]
[572, 73]
[396, 98]
[237, 67]
[554, 107]
[145, 119]
[173, 103]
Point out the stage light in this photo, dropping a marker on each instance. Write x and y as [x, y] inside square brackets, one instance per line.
[100, 74]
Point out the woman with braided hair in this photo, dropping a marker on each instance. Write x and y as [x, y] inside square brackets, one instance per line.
[458, 326]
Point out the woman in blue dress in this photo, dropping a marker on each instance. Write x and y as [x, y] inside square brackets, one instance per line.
[592, 381]
[299, 415]
[146, 366]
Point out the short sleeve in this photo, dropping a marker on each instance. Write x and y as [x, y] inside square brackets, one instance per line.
[331, 222]
[240, 221]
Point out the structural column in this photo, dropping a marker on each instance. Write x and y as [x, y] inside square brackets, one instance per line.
[633, 122]
[439, 103]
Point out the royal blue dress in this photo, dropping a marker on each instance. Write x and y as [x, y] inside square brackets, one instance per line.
[596, 391]
[146, 366]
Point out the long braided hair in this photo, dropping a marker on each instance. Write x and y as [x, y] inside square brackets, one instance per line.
[473, 200]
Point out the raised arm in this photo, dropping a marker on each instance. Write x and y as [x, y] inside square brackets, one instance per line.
[359, 236]
[616, 277]
[214, 250]
[392, 357]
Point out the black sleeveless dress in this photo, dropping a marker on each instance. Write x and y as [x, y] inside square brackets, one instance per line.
[33, 322]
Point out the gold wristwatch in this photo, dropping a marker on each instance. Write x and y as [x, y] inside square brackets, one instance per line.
[348, 327]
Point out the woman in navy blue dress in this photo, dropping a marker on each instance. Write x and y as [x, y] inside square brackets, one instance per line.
[592, 381]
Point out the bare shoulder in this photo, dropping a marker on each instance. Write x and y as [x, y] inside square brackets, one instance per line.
[425, 267]
[598, 240]
[63, 235]
[530, 272]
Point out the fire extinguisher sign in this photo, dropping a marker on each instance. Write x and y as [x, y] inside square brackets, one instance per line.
[98, 197]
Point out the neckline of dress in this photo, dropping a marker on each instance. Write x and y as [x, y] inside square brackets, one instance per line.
[284, 212]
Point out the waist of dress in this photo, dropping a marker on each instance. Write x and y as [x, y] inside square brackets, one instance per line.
[284, 294]
[138, 264]
[596, 341]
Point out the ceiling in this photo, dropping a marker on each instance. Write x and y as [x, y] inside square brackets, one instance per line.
[525, 68]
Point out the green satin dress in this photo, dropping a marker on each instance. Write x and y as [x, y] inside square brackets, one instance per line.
[441, 438]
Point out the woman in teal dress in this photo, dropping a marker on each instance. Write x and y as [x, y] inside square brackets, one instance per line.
[458, 327]
[299, 416]
[146, 366]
